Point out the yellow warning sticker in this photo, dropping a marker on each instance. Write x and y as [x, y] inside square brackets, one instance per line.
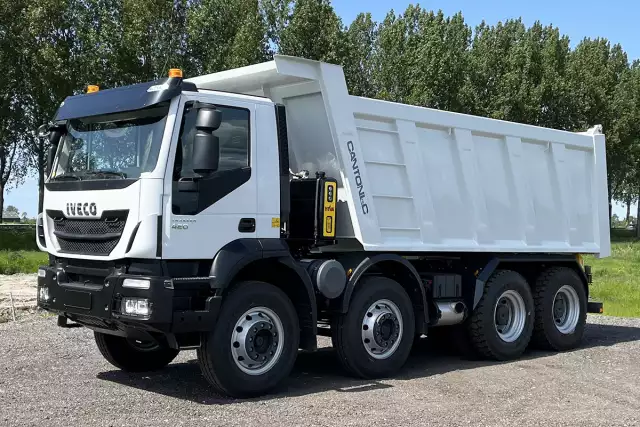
[275, 222]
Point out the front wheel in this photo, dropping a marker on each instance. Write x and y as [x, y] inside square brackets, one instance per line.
[374, 338]
[254, 344]
[133, 355]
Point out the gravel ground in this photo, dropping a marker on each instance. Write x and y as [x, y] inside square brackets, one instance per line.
[54, 376]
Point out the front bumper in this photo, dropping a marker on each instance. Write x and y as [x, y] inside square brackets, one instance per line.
[99, 305]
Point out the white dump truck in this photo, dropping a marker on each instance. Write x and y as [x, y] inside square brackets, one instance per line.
[244, 213]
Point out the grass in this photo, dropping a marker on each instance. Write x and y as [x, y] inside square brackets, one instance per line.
[18, 237]
[616, 279]
[12, 262]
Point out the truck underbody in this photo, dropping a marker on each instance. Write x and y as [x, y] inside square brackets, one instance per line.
[442, 293]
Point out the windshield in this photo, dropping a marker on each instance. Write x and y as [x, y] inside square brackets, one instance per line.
[114, 146]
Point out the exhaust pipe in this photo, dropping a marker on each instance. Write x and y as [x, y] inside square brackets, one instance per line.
[451, 312]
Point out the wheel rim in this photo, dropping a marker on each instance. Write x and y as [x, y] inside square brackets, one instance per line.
[566, 309]
[141, 345]
[509, 316]
[382, 329]
[257, 341]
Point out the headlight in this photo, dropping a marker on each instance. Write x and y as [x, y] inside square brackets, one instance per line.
[136, 283]
[135, 306]
[43, 294]
[42, 272]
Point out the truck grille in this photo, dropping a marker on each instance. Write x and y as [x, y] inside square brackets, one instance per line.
[89, 236]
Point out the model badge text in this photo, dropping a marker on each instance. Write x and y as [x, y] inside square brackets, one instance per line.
[356, 173]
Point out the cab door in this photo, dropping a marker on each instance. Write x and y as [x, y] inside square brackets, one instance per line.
[204, 213]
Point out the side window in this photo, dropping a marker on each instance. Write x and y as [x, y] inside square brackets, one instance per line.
[233, 134]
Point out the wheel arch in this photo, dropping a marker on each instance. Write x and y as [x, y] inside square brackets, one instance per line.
[269, 260]
[394, 267]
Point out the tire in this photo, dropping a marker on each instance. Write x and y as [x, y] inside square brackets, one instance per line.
[224, 354]
[349, 335]
[567, 332]
[131, 356]
[511, 292]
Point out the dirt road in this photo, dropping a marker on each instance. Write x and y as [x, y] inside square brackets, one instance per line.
[53, 376]
[22, 288]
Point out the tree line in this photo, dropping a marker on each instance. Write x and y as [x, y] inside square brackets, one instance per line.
[50, 49]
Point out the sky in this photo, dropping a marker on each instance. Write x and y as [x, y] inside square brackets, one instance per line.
[615, 20]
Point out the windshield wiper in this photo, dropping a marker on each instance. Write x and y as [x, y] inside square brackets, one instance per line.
[105, 173]
[66, 176]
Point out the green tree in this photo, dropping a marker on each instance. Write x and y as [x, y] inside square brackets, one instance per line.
[499, 73]
[153, 38]
[552, 104]
[12, 96]
[12, 210]
[595, 71]
[250, 40]
[626, 131]
[50, 41]
[359, 54]
[211, 28]
[313, 31]
[392, 72]
[276, 15]
[422, 59]
[440, 63]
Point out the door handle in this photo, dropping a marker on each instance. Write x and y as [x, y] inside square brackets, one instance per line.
[247, 225]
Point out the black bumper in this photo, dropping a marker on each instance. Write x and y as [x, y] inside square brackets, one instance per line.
[99, 305]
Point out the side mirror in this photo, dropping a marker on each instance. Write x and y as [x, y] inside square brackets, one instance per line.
[187, 186]
[209, 118]
[51, 153]
[206, 153]
[206, 146]
[44, 130]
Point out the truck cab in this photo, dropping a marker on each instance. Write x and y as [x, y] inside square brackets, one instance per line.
[143, 182]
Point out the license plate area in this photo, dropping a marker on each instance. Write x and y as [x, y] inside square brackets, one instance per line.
[77, 299]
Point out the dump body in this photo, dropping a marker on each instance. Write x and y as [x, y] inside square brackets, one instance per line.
[419, 179]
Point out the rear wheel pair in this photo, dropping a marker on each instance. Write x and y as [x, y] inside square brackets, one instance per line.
[509, 316]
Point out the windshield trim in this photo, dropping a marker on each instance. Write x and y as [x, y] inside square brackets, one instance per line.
[90, 185]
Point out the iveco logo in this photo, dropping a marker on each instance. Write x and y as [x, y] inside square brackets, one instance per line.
[82, 209]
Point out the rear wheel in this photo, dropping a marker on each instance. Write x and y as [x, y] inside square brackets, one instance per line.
[133, 355]
[561, 309]
[374, 338]
[255, 342]
[500, 327]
